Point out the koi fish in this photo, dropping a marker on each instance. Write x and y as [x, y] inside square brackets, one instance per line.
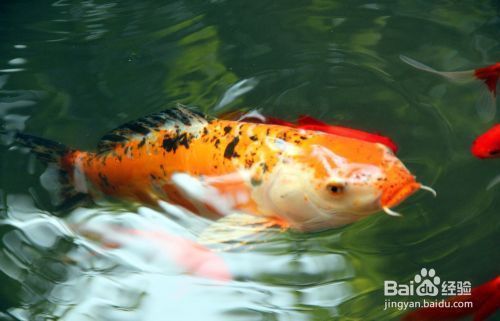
[310, 123]
[485, 301]
[245, 174]
[488, 144]
[486, 104]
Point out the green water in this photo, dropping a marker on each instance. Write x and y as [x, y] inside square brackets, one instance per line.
[71, 71]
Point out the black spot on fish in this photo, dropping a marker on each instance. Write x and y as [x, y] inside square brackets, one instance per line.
[205, 131]
[264, 167]
[249, 162]
[254, 138]
[104, 180]
[171, 143]
[229, 151]
[227, 129]
[143, 141]
[255, 182]
[152, 176]
[184, 140]
[217, 142]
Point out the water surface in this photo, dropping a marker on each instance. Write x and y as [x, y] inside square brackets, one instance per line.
[71, 71]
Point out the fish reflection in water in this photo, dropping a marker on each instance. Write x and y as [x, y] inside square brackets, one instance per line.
[112, 264]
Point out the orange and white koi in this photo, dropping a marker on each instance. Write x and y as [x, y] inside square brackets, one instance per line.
[489, 75]
[294, 178]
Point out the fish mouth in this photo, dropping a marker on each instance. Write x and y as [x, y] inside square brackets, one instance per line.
[399, 195]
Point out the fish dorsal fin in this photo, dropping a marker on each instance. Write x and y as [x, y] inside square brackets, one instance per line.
[308, 120]
[179, 115]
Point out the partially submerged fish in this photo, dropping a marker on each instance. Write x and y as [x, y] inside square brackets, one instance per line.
[266, 174]
[488, 144]
[489, 75]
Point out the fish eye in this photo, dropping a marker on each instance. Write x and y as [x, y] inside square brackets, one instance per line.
[335, 188]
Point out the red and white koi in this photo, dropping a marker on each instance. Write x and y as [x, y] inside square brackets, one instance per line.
[489, 75]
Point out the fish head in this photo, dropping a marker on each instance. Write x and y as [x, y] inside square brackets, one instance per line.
[339, 180]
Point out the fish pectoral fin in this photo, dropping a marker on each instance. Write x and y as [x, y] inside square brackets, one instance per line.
[486, 104]
[236, 229]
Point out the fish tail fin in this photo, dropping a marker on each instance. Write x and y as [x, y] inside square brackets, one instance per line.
[486, 103]
[58, 177]
[459, 76]
[48, 151]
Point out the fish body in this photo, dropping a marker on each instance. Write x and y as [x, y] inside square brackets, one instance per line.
[302, 179]
[487, 145]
